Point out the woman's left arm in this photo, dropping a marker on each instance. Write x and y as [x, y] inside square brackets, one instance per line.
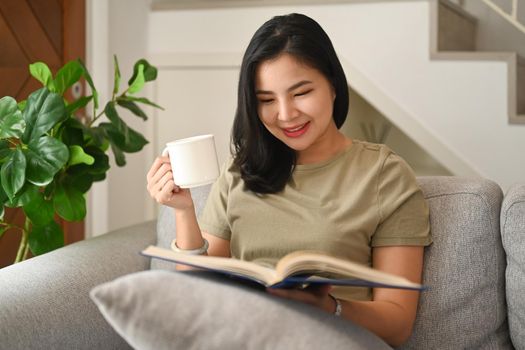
[392, 312]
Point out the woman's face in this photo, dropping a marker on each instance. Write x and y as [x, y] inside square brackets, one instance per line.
[295, 104]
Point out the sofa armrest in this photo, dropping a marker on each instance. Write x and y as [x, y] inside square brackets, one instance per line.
[513, 236]
[44, 301]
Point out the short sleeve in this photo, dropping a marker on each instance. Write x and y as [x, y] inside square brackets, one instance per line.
[214, 216]
[403, 211]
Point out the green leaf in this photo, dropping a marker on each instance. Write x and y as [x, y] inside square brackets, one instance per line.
[116, 83]
[113, 116]
[134, 108]
[23, 196]
[39, 210]
[77, 156]
[78, 104]
[3, 199]
[115, 138]
[119, 134]
[3, 229]
[22, 105]
[68, 75]
[135, 142]
[99, 166]
[12, 174]
[120, 158]
[138, 83]
[70, 134]
[149, 71]
[69, 202]
[45, 157]
[3, 196]
[41, 72]
[81, 182]
[46, 238]
[11, 122]
[94, 91]
[96, 137]
[139, 100]
[43, 111]
[5, 151]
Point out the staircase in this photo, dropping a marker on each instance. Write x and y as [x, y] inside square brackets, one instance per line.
[453, 37]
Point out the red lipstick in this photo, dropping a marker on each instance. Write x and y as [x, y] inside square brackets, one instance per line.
[296, 131]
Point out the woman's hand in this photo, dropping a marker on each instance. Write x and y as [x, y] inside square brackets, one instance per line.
[317, 296]
[163, 189]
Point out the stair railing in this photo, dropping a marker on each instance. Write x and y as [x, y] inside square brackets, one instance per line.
[512, 17]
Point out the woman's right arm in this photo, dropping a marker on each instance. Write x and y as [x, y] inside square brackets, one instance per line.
[163, 189]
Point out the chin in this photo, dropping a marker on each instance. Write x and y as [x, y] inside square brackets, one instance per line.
[296, 145]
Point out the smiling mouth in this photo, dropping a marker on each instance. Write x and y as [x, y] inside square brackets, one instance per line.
[296, 131]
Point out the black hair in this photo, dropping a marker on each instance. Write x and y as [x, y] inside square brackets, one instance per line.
[265, 162]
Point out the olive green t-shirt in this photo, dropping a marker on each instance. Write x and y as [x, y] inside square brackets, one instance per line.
[364, 197]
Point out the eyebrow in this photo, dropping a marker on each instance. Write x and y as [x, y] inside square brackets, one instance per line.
[293, 87]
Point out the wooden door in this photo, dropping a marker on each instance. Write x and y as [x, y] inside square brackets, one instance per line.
[52, 31]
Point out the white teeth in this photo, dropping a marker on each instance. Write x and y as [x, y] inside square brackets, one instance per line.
[296, 129]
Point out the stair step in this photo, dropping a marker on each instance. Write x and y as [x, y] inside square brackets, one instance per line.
[456, 28]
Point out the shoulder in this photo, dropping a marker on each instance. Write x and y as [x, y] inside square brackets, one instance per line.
[374, 153]
[382, 158]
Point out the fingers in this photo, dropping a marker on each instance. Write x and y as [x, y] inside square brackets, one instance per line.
[319, 290]
[159, 161]
[315, 295]
[166, 193]
[160, 181]
[158, 171]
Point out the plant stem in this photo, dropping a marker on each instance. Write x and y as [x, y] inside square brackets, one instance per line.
[94, 119]
[113, 99]
[22, 249]
[26, 251]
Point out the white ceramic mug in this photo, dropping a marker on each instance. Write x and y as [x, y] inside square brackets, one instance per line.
[193, 161]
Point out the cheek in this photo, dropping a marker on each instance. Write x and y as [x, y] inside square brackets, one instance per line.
[266, 114]
[316, 108]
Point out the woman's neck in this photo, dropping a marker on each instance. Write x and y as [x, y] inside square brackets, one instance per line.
[324, 149]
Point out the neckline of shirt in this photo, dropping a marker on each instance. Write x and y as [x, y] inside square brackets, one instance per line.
[327, 162]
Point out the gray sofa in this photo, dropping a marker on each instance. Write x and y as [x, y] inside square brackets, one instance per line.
[475, 270]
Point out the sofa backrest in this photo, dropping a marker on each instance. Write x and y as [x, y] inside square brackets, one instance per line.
[464, 267]
[513, 236]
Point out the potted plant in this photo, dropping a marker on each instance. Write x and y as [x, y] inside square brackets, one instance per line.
[49, 158]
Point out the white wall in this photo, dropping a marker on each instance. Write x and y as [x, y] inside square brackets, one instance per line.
[118, 27]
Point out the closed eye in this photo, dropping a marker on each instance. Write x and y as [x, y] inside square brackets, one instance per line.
[303, 93]
[266, 101]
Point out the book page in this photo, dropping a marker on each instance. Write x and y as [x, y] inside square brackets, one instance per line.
[245, 268]
[312, 262]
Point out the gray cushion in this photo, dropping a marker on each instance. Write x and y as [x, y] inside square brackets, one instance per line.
[44, 301]
[464, 268]
[513, 234]
[166, 224]
[193, 310]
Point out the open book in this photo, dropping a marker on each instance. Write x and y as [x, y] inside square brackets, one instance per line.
[295, 269]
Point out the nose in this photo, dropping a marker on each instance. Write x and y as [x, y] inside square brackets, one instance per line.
[287, 110]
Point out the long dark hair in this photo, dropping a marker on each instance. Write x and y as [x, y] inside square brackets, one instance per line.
[265, 162]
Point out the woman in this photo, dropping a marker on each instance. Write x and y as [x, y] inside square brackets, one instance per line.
[296, 182]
